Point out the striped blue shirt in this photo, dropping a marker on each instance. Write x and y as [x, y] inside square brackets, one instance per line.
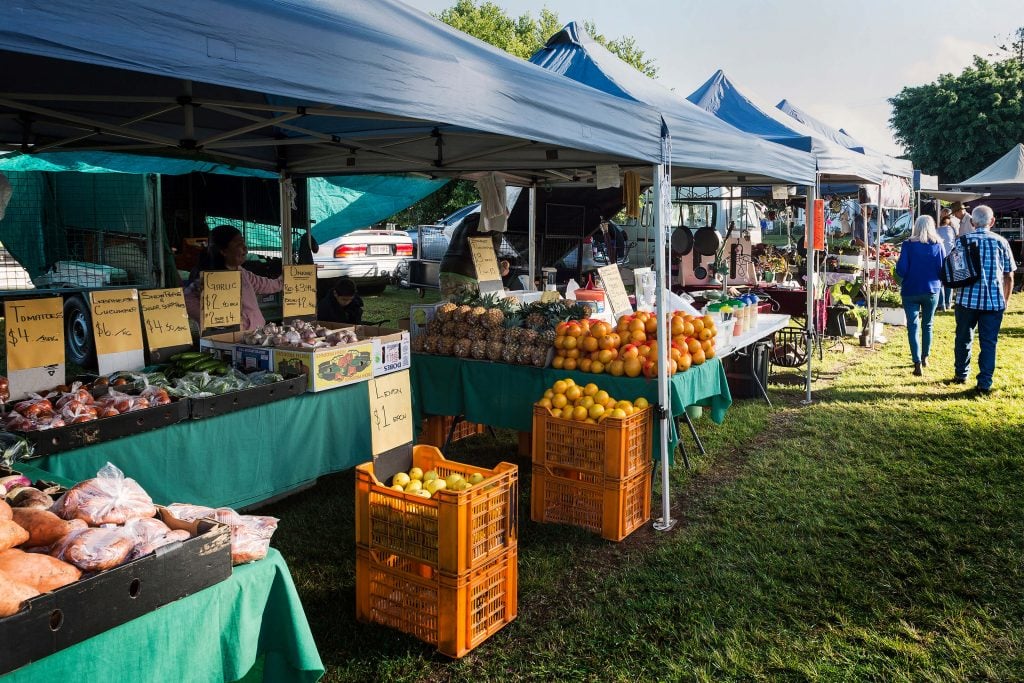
[996, 259]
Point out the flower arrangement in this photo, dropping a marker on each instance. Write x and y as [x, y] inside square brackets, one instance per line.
[769, 259]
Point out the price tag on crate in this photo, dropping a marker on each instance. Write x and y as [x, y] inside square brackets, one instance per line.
[117, 330]
[390, 411]
[615, 291]
[35, 344]
[165, 322]
[299, 295]
[488, 274]
[222, 299]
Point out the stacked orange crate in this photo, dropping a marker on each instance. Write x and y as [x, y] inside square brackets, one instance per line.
[434, 430]
[442, 569]
[596, 476]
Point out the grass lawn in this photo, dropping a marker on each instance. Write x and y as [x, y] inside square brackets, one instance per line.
[876, 534]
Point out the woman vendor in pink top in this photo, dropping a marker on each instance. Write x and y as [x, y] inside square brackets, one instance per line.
[226, 250]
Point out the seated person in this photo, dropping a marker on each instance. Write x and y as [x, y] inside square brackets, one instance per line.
[341, 304]
[458, 274]
[509, 280]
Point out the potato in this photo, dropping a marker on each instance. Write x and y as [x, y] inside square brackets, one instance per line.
[12, 594]
[44, 527]
[41, 572]
[11, 534]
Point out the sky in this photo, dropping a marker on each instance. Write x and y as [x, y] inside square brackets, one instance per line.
[840, 62]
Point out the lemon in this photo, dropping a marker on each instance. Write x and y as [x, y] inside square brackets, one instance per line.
[429, 475]
[601, 397]
[641, 403]
[559, 387]
[619, 414]
[580, 413]
[559, 401]
[590, 389]
[401, 479]
[567, 412]
[569, 382]
[413, 486]
[596, 411]
[475, 478]
[452, 478]
[415, 473]
[586, 402]
[549, 393]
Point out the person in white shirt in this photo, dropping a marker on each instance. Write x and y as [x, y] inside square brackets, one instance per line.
[961, 216]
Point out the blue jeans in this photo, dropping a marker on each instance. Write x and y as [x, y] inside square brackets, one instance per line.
[923, 306]
[946, 299]
[988, 323]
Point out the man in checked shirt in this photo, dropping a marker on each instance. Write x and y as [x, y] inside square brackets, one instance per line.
[982, 304]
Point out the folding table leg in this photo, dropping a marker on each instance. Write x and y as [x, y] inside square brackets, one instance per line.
[682, 449]
[693, 431]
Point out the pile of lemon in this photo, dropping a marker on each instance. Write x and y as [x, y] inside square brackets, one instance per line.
[426, 484]
[591, 404]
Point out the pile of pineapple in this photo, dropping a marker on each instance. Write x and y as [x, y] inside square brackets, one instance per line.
[491, 328]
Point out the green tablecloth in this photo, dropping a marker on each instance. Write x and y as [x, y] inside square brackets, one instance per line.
[217, 634]
[502, 395]
[239, 458]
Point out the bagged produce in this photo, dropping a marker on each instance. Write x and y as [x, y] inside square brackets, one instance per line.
[108, 498]
[41, 572]
[149, 534]
[11, 534]
[187, 512]
[13, 594]
[250, 534]
[93, 550]
[44, 527]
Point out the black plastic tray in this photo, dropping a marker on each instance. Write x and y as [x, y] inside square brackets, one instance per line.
[211, 406]
[73, 436]
[97, 603]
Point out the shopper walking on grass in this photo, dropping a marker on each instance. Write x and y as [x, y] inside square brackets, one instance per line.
[946, 233]
[982, 304]
[919, 266]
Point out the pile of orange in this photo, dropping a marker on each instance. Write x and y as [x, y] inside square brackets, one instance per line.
[570, 401]
[630, 348]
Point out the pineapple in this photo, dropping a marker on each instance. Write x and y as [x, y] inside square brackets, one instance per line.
[495, 312]
[528, 336]
[434, 327]
[417, 343]
[509, 352]
[477, 332]
[536, 314]
[478, 349]
[540, 356]
[495, 348]
[446, 346]
[430, 342]
[462, 313]
[524, 356]
[445, 310]
[462, 348]
[496, 335]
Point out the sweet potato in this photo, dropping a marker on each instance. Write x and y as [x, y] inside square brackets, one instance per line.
[44, 527]
[94, 550]
[41, 572]
[11, 534]
[12, 594]
[5, 510]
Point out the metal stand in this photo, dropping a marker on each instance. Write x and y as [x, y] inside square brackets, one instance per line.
[746, 353]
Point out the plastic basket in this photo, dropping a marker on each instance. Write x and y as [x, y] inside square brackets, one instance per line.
[453, 532]
[453, 613]
[614, 508]
[611, 448]
[434, 430]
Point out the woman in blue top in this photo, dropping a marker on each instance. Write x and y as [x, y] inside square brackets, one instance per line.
[920, 265]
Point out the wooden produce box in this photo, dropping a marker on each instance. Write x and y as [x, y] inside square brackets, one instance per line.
[435, 428]
[454, 531]
[98, 602]
[614, 448]
[453, 613]
[614, 508]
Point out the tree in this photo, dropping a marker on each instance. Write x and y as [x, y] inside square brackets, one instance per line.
[1011, 46]
[436, 206]
[960, 124]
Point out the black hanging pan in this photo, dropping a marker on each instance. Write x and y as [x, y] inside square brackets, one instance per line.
[705, 243]
[682, 241]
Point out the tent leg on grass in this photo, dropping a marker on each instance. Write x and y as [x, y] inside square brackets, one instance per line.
[661, 189]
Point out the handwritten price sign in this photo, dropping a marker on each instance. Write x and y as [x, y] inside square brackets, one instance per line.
[222, 298]
[35, 333]
[299, 295]
[115, 321]
[163, 311]
[390, 411]
[486, 263]
[615, 290]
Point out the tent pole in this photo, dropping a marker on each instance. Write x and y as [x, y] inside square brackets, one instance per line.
[665, 522]
[532, 230]
[284, 185]
[812, 193]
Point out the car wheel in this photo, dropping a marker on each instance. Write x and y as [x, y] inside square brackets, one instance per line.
[78, 340]
[371, 290]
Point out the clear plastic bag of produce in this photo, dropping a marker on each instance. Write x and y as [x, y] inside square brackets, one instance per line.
[94, 550]
[14, 448]
[121, 402]
[187, 512]
[250, 534]
[150, 533]
[108, 498]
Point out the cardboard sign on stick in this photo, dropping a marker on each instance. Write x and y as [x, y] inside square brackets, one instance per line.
[222, 299]
[299, 294]
[117, 330]
[615, 291]
[390, 411]
[488, 275]
[166, 321]
[35, 344]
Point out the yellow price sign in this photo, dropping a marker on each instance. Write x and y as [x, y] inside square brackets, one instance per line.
[484, 260]
[390, 411]
[115, 321]
[299, 293]
[35, 333]
[222, 298]
[615, 290]
[166, 319]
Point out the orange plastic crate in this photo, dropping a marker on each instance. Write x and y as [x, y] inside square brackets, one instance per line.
[434, 430]
[612, 448]
[453, 532]
[614, 508]
[453, 613]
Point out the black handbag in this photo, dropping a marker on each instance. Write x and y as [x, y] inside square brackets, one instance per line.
[962, 266]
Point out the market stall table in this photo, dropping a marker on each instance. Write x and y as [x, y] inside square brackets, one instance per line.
[240, 458]
[502, 395]
[767, 325]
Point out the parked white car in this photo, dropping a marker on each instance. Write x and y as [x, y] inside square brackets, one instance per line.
[371, 258]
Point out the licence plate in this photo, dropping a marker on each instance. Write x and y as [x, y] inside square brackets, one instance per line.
[379, 250]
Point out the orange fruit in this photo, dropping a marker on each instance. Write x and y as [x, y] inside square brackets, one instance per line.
[688, 328]
[569, 343]
[559, 401]
[599, 330]
[684, 362]
[580, 413]
[584, 364]
[698, 357]
[560, 328]
[590, 389]
[573, 393]
[710, 353]
[574, 330]
[569, 364]
[692, 345]
[605, 356]
[708, 321]
[559, 386]
[706, 345]
[651, 325]
[619, 414]
[650, 369]
[586, 402]
[637, 336]
[567, 412]
[641, 403]
[596, 411]
[560, 342]
[677, 325]
[558, 362]
[632, 367]
[704, 334]
[642, 316]
[629, 351]
[575, 353]
[590, 343]
[672, 366]
[698, 325]
[617, 368]
[544, 403]
[637, 325]
[569, 382]
[597, 367]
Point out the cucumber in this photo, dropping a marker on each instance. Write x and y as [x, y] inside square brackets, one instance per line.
[187, 355]
[208, 365]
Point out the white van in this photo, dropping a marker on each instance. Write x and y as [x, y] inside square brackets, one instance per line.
[694, 214]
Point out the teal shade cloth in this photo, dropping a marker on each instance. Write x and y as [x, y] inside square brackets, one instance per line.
[218, 634]
[239, 458]
[118, 162]
[502, 395]
[341, 204]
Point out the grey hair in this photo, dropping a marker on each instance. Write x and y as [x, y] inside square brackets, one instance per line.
[981, 216]
[924, 230]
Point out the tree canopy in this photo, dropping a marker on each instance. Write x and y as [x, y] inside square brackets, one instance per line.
[960, 124]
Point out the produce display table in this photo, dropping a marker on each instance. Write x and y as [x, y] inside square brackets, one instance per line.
[767, 325]
[217, 634]
[502, 395]
[239, 458]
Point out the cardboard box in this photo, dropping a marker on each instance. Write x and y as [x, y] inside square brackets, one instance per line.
[327, 368]
[221, 346]
[94, 604]
[252, 358]
[391, 351]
